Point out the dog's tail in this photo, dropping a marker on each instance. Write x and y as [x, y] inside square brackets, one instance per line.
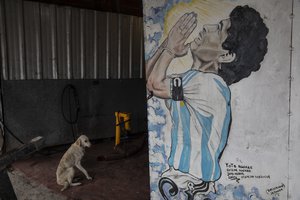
[75, 184]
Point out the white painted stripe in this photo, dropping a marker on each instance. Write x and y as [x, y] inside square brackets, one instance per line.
[119, 45]
[130, 46]
[187, 77]
[53, 42]
[95, 45]
[68, 38]
[179, 147]
[107, 44]
[82, 72]
[217, 125]
[196, 139]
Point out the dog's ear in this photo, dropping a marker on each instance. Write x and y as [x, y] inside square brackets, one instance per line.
[78, 142]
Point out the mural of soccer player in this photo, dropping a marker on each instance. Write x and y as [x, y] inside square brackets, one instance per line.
[199, 99]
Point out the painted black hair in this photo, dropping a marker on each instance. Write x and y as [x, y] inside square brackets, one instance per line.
[247, 39]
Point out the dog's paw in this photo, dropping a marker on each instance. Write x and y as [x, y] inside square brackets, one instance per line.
[89, 178]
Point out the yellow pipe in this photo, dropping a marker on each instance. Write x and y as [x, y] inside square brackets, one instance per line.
[127, 122]
[125, 117]
[118, 129]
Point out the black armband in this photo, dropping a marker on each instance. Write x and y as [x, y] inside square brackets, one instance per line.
[176, 89]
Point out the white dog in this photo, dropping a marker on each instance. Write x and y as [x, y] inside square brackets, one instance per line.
[65, 170]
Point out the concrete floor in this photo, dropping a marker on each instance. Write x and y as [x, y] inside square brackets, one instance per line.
[121, 179]
[28, 189]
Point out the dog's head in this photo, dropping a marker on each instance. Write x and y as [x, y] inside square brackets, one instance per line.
[83, 141]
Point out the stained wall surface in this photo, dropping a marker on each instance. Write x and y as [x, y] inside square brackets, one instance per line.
[259, 160]
[294, 141]
[48, 41]
[61, 110]
[46, 47]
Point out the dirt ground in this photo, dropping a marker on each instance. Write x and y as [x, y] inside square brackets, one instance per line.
[116, 176]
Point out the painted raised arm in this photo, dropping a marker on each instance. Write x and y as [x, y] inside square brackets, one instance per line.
[151, 62]
[174, 46]
[180, 32]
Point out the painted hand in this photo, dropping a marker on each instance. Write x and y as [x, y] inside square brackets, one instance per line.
[179, 34]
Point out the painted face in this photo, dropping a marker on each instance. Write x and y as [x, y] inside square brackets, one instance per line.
[208, 45]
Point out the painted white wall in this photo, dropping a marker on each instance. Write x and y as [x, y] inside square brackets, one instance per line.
[260, 107]
[294, 162]
[262, 131]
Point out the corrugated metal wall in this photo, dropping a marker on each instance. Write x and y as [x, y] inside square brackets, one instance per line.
[44, 41]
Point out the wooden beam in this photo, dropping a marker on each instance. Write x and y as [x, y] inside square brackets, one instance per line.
[128, 7]
[6, 188]
[8, 158]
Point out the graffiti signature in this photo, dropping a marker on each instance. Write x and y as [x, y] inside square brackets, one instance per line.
[275, 191]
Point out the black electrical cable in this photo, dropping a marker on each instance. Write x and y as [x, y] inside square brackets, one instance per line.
[121, 123]
[70, 90]
[122, 153]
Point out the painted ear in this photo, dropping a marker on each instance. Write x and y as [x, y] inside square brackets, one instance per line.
[226, 58]
[78, 142]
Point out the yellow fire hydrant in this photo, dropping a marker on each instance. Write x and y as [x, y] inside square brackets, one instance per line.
[122, 118]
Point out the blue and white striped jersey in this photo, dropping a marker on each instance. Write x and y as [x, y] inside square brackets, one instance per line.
[200, 125]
